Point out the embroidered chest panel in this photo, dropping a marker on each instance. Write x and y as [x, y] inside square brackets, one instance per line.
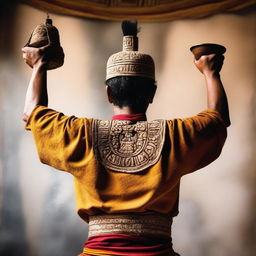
[128, 147]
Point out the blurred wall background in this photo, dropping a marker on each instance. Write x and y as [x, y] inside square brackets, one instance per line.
[217, 204]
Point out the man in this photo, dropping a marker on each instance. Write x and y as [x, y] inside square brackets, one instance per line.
[127, 170]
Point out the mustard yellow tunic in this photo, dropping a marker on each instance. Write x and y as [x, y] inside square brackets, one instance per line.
[66, 143]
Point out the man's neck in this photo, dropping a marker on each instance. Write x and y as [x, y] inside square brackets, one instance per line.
[126, 111]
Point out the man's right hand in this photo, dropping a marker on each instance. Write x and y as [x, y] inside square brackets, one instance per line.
[33, 56]
[210, 64]
[39, 56]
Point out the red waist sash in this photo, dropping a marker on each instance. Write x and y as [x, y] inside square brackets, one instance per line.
[126, 244]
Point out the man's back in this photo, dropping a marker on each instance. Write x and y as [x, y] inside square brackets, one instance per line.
[127, 165]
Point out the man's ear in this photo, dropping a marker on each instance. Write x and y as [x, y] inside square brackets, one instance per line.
[110, 99]
[152, 95]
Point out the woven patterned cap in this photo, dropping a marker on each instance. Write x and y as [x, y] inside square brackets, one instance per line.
[130, 62]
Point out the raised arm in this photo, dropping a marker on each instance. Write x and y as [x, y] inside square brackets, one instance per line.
[210, 66]
[37, 88]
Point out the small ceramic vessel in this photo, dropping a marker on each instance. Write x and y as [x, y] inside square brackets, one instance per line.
[207, 49]
[45, 34]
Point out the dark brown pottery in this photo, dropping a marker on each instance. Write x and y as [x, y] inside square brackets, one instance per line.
[45, 34]
[206, 49]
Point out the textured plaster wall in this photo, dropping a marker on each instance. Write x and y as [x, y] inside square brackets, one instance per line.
[217, 203]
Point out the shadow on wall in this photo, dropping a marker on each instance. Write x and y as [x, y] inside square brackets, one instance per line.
[13, 238]
[7, 20]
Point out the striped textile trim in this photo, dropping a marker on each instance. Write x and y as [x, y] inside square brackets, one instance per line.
[94, 252]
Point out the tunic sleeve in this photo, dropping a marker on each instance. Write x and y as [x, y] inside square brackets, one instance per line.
[196, 141]
[62, 141]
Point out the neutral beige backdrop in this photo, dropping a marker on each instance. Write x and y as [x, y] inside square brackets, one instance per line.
[217, 203]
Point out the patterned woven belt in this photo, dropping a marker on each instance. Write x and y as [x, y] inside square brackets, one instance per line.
[137, 224]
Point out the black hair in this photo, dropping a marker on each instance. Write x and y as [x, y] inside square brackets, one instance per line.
[132, 91]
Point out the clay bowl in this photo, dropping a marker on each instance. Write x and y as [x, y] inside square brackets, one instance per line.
[206, 49]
